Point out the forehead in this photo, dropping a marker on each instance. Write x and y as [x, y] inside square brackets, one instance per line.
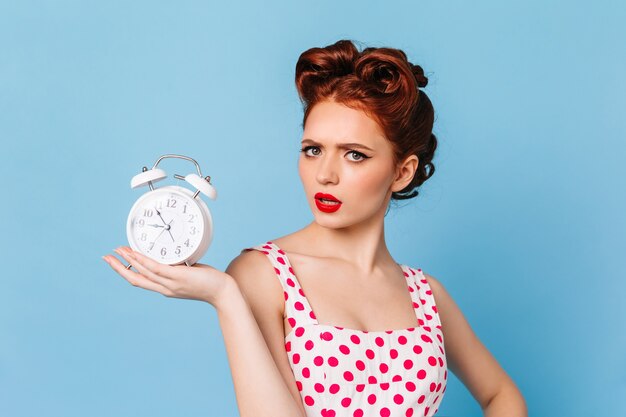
[330, 122]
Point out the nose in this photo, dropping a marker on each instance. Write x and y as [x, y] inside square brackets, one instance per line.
[327, 171]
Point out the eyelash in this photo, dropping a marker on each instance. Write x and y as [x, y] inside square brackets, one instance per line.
[363, 157]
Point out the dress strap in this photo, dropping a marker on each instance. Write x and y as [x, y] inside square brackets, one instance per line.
[297, 308]
[428, 316]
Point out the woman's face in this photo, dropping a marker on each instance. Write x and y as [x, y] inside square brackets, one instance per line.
[333, 163]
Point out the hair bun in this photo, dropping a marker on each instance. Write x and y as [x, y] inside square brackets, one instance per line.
[422, 80]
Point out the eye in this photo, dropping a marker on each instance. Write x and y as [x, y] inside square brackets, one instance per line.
[356, 154]
[306, 148]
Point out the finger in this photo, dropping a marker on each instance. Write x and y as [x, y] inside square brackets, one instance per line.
[145, 272]
[157, 271]
[134, 278]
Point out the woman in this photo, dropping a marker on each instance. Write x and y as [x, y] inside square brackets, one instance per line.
[332, 325]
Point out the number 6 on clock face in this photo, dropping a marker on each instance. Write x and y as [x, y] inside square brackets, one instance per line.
[170, 226]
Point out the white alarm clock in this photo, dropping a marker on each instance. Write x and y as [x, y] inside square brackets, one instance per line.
[171, 224]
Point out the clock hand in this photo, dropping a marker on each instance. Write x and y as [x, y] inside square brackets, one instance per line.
[168, 230]
[159, 214]
[166, 227]
[154, 225]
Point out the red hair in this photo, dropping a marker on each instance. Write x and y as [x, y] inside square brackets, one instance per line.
[386, 86]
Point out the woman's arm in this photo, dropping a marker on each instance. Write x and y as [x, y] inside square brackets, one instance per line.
[472, 363]
[259, 386]
[263, 380]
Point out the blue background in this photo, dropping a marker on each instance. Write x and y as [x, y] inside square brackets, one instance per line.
[523, 221]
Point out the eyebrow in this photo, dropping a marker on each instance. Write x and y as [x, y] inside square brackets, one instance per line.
[339, 145]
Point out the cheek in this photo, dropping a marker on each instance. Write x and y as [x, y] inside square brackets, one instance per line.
[370, 182]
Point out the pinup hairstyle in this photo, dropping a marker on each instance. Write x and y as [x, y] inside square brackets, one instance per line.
[382, 83]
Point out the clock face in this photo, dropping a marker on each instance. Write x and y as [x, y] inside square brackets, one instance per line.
[166, 225]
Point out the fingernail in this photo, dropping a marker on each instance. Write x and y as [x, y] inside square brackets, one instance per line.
[106, 260]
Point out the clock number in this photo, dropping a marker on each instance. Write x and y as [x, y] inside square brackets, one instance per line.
[177, 251]
[191, 217]
[193, 230]
[151, 245]
[172, 202]
[159, 205]
[147, 212]
[163, 251]
[143, 237]
[187, 242]
[141, 222]
[185, 209]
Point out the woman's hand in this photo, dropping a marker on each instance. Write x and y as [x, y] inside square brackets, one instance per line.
[198, 282]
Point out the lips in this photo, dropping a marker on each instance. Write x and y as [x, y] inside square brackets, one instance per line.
[319, 196]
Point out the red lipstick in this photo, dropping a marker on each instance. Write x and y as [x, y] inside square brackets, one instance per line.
[327, 206]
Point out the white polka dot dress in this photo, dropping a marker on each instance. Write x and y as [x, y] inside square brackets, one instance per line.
[343, 372]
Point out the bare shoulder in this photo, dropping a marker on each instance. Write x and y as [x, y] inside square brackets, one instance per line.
[257, 281]
[468, 358]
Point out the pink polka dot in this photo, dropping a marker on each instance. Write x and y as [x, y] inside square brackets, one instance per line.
[360, 387]
[398, 399]
[285, 295]
[306, 372]
[432, 361]
[328, 336]
[308, 400]
[280, 259]
[288, 346]
[432, 387]
[332, 361]
[396, 378]
[372, 379]
[393, 353]
[383, 368]
[290, 282]
[308, 345]
[438, 387]
[301, 292]
[357, 413]
[410, 386]
[348, 376]
[384, 412]
[371, 398]
[379, 341]
[421, 399]
[346, 402]
[312, 315]
[441, 362]
[299, 385]
[426, 410]
[296, 358]
[369, 353]
[355, 339]
[298, 306]
[409, 412]
[292, 321]
[417, 349]
[408, 364]
[318, 361]
[360, 365]
[299, 331]
[319, 387]
[333, 389]
[421, 374]
[402, 340]
[344, 349]
[384, 386]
